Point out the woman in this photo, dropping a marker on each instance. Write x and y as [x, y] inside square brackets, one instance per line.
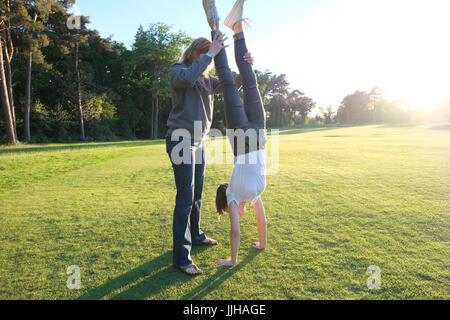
[248, 181]
[192, 92]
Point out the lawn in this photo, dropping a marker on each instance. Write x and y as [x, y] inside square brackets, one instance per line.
[343, 199]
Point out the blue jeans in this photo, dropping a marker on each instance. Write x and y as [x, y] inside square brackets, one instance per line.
[238, 115]
[189, 178]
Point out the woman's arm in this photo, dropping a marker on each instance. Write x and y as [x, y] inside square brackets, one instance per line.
[235, 237]
[262, 225]
[183, 77]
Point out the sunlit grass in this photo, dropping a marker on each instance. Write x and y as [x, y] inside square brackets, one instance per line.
[344, 199]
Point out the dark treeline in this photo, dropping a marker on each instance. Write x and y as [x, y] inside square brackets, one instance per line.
[62, 82]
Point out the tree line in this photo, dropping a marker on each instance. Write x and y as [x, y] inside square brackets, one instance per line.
[374, 107]
[63, 82]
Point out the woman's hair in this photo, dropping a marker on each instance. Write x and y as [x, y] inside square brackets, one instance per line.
[198, 47]
[221, 198]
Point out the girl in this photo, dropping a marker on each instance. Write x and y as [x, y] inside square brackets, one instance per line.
[248, 180]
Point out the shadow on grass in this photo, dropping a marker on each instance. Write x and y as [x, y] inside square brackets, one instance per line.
[159, 275]
[223, 274]
[78, 146]
[164, 276]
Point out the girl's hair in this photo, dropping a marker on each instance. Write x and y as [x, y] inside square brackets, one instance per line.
[221, 198]
[198, 47]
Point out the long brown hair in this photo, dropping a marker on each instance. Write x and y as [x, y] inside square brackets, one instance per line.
[198, 47]
[221, 198]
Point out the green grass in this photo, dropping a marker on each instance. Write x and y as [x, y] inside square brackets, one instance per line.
[344, 199]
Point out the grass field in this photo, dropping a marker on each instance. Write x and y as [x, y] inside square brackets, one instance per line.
[344, 199]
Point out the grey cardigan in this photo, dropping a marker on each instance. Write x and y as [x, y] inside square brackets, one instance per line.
[190, 100]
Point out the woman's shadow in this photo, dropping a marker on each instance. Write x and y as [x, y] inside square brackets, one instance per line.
[159, 275]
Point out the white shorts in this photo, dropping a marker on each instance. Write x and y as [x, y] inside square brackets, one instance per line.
[248, 181]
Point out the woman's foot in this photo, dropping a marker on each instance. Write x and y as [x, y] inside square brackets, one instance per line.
[236, 15]
[190, 270]
[210, 242]
[211, 14]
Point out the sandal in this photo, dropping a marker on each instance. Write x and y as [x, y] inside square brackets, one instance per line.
[192, 267]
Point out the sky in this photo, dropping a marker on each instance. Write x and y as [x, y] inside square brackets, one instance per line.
[327, 48]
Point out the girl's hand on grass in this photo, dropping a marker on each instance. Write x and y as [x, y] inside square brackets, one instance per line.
[258, 246]
[225, 263]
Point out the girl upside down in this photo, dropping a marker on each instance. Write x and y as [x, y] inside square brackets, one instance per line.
[248, 122]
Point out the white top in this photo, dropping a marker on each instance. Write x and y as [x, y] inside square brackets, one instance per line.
[248, 181]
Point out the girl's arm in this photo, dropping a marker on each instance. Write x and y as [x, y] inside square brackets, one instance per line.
[262, 225]
[235, 233]
[235, 236]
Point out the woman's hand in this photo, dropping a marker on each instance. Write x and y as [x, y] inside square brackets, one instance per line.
[225, 263]
[248, 58]
[258, 246]
[218, 44]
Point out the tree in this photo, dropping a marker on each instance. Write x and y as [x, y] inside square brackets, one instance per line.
[5, 83]
[153, 52]
[328, 114]
[277, 91]
[9, 51]
[78, 38]
[264, 79]
[300, 104]
[32, 16]
[354, 107]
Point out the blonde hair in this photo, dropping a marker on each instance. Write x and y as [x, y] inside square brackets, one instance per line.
[198, 47]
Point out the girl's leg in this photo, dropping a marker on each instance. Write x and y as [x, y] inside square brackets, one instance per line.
[234, 111]
[252, 98]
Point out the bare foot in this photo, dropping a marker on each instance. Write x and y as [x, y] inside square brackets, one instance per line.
[210, 242]
[191, 270]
